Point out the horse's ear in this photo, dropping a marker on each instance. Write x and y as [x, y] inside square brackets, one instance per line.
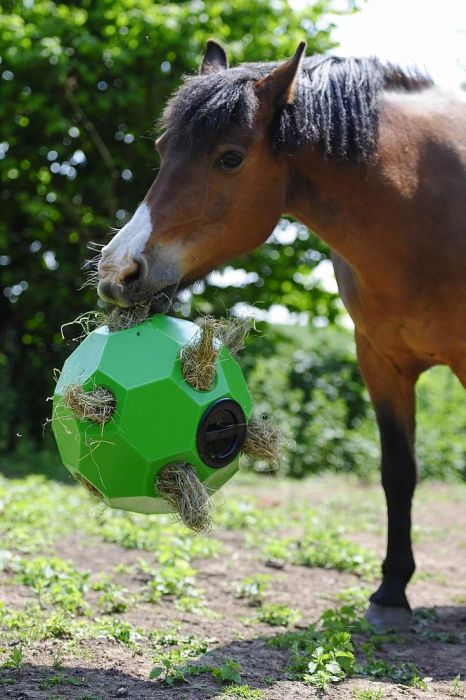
[215, 58]
[279, 86]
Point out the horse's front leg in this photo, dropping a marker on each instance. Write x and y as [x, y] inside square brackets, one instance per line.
[393, 397]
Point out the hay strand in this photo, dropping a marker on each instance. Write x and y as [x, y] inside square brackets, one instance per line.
[263, 440]
[199, 356]
[232, 332]
[119, 319]
[97, 405]
[180, 486]
[116, 319]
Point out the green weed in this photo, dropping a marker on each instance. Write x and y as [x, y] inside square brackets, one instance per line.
[323, 653]
[243, 691]
[27, 503]
[329, 550]
[456, 688]
[367, 693]
[322, 547]
[59, 679]
[56, 582]
[174, 655]
[114, 600]
[417, 682]
[253, 588]
[330, 662]
[228, 672]
[278, 615]
[277, 551]
[172, 672]
[15, 659]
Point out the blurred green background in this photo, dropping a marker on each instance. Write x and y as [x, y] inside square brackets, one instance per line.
[81, 85]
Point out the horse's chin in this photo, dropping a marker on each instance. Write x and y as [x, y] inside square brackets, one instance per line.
[163, 300]
[160, 306]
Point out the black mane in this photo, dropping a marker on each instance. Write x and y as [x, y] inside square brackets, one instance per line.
[336, 104]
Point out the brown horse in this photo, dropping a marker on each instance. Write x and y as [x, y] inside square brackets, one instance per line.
[372, 159]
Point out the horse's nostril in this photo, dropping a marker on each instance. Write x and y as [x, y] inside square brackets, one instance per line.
[131, 273]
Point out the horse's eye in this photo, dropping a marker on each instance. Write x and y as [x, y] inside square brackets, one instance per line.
[230, 160]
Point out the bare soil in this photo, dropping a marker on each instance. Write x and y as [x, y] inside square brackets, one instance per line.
[106, 669]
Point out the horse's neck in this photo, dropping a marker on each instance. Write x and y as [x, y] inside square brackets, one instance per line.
[344, 203]
[370, 213]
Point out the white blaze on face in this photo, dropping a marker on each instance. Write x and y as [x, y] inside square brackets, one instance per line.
[131, 240]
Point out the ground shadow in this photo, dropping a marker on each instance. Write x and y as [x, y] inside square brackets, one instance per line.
[436, 646]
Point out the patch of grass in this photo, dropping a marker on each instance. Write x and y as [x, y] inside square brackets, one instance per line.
[152, 533]
[420, 683]
[114, 600]
[242, 691]
[323, 653]
[56, 582]
[404, 673]
[430, 576]
[278, 615]
[15, 659]
[113, 628]
[59, 679]
[276, 551]
[367, 693]
[457, 689]
[330, 662]
[243, 514]
[174, 655]
[324, 548]
[253, 588]
[356, 597]
[459, 599]
[27, 503]
[443, 637]
[175, 580]
[172, 672]
[329, 550]
[228, 672]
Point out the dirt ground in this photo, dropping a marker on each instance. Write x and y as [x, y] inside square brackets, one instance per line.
[103, 669]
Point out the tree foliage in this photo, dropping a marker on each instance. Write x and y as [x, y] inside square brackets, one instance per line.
[81, 84]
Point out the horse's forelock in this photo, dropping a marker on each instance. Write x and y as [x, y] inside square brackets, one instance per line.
[336, 105]
[205, 105]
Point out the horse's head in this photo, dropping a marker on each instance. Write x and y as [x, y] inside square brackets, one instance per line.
[221, 187]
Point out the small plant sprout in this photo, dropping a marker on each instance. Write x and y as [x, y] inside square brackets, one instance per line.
[245, 692]
[367, 693]
[15, 659]
[330, 662]
[457, 689]
[253, 588]
[278, 615]
[228, 672]
[417, 682]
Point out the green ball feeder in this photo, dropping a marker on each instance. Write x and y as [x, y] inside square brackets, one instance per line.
[152, 416]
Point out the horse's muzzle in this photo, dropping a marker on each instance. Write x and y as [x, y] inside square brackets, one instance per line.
[112, 293]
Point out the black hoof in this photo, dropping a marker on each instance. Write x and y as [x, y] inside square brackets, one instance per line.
[385, 618]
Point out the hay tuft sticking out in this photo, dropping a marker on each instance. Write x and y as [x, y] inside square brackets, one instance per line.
[180, 486]
[97, 405]
[263, 440]
[116, 319]
[232, 332]
[119, 319]
[199, 356]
